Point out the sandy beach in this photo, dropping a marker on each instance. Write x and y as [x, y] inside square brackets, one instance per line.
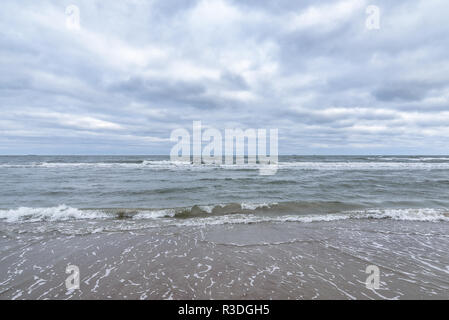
[319, 260]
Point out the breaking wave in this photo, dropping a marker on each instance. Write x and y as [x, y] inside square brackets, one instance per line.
[59, 213]
[227, 213]
[384, 164]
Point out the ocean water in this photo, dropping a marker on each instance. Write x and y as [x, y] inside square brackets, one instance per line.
[143, 227]
[152, 188]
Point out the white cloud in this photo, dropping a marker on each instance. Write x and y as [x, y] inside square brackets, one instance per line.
[324, 17]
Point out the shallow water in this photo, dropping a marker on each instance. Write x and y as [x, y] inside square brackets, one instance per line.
[321, 260]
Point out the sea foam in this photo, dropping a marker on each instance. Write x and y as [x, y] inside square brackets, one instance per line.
[217, 214]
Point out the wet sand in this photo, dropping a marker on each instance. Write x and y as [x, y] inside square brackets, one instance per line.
[319, 260]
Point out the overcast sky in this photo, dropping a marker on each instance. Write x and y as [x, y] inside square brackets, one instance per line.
[135, 71]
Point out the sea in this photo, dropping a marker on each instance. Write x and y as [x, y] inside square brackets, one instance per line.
[146, 227]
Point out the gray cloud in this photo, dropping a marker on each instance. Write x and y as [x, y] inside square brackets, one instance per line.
[138, 69]
[407, 91]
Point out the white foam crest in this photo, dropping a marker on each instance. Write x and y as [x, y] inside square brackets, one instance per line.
[381, 164]
[423, 214]
[154, 214]
[171, 213]
[51, 165]
[402, 159]
[347, 166]
[166, 163]
[254, 206]
[210, 208]
[249, 219]
[64, 213]
[59, 213]
[433, 158]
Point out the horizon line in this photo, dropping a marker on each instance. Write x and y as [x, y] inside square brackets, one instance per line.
[145, 155]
